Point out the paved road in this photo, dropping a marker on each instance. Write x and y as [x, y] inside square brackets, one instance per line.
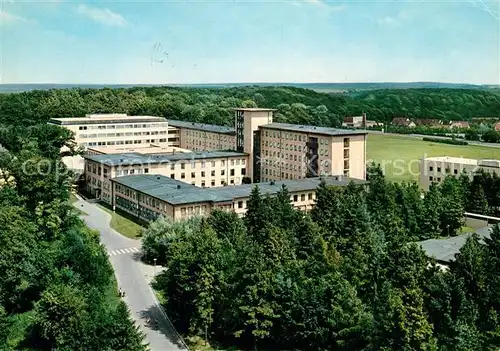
[420, 136]
[133, 277]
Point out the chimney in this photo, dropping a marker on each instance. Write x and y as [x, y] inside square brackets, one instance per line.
[178, 186]
[364, 120]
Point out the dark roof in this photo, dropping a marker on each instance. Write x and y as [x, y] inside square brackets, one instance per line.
[444, 250]
[401, 121]
[176, 192]
[134, 158]
[202, 126]
[312, 129]
[427, 122]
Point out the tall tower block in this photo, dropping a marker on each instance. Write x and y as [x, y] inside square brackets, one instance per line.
[247, 123]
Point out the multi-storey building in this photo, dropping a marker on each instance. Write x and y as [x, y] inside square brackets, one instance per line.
[436, 169]
[200, 136]
[292, 151]
[283, 151]
[203, 169]
[112, 130]
[149, 196]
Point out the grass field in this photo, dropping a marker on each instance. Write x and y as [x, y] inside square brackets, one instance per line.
[399, 155]
[123, 223]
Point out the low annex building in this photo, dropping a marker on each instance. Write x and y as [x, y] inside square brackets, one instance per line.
[436, 169]
[204, 169]
[148, 196]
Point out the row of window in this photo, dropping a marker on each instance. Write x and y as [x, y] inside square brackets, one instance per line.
[203, 164]
[193, 210]
[287, 166]
[123, 142]
[112, 135]
[447, 170]
[124, 172]
[124, 126]
[212, 173]
[208, 135]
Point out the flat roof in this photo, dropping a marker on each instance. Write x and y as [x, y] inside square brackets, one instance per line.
[202, 126]
[313, 129]
[152, 149]
[135, 158]
[444, 250]
[176, 192]
[254, 109]
[105, 118]
[460, 160]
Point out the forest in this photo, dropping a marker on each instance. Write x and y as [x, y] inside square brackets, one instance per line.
[57, 288]
[347, 276]
[294, 105]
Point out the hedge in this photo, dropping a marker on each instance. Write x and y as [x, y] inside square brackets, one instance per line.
[446, 141]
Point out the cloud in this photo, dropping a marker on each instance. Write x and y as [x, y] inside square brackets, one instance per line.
[393, 20]
[8, 18]
[103, 16]
[387, 20]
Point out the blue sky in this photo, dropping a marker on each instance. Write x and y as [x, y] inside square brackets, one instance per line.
[162, 42]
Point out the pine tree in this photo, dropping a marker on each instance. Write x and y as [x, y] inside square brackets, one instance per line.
[452, 215]
[477, 202]
[431, 222]
[256, 217]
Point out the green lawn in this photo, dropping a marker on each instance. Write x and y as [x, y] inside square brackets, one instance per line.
[123, 224]
[399, 156]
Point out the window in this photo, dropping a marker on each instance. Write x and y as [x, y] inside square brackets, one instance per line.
[212, 173]
[132, 171]
[203, 164]
[212, 183]
[183, 175]
[193, 175]
[430, 178]
[231, 181]
[242, 161]
[203, 183]
[240, 204]
[231, 172]
[303, 197]
[295, 198]
[455, 171]
[183, 166]
[243, 171]
[439, 179]
[222, 163]
[146, 170]
[431, 169]
[213, 163]
[172, 176]
[172, 166]
[439, 169]
[222, 172]
[346, 164]
[203, 173]
[346, 142]
[310, 196]
[232, 162]
[447, 170]
[346, 153]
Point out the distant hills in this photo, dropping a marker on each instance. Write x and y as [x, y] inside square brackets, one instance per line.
[325, 87]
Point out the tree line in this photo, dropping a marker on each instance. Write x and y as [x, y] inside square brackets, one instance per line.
[57, 289]
[346, 276]
[214, 105]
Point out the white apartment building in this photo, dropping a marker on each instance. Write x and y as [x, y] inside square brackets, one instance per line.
[436, 169]
[112, 130]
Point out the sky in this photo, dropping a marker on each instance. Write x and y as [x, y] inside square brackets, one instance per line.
[236, 41]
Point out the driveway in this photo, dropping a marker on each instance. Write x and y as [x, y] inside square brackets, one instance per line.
[134, 278]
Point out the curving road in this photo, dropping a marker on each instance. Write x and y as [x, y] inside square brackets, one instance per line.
[134, 278]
